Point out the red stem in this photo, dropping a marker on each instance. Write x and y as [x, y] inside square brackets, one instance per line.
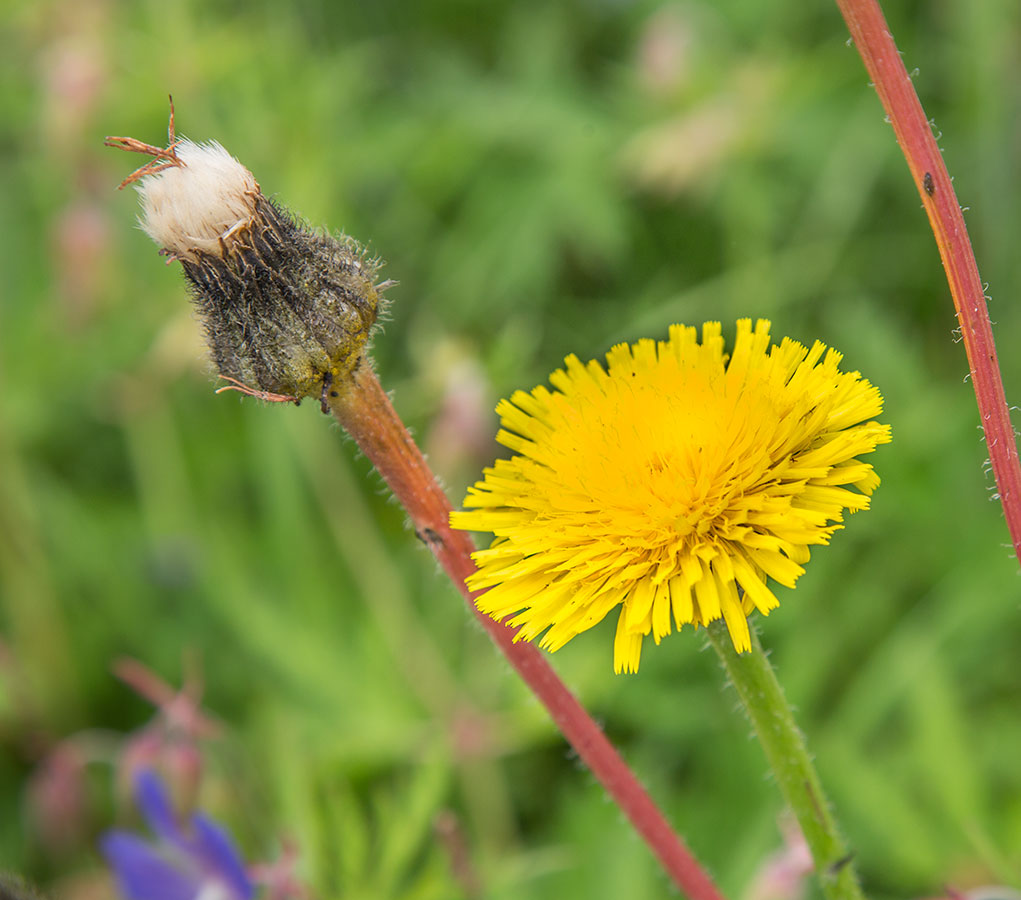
[875, 44]
[366, 413]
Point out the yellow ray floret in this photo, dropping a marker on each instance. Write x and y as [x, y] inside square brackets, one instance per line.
[673, 483]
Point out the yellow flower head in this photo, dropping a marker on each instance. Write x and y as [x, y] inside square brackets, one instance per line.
[672, 483]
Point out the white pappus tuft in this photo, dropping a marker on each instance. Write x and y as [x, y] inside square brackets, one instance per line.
[198, 203]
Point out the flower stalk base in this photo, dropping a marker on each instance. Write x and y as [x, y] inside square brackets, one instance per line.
[771, 717]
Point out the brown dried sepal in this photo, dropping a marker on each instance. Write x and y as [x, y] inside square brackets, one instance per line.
[163, 157]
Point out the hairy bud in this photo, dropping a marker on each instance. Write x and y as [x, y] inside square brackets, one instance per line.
[287, 310]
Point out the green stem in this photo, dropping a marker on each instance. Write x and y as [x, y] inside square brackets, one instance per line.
[771, 716]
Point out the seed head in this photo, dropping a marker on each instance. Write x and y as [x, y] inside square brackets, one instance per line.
[288, 311]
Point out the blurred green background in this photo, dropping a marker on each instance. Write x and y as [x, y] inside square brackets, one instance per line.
[542, 178]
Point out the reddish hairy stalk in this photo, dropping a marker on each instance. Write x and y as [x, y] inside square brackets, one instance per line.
[364, 410]
[875, 44]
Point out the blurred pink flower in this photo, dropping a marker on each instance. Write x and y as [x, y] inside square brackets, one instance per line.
[81, 241]
[664, 51]
[170, 741]
[782, 875]
[278, 877]
[461, 434]
[56, 798]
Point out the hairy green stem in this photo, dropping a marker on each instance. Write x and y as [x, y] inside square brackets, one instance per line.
[770, 714]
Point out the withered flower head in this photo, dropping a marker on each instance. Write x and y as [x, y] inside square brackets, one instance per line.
[287, 310]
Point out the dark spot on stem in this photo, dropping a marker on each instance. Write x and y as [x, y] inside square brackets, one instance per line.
[842, 863]
[327, 384]
[430, 537]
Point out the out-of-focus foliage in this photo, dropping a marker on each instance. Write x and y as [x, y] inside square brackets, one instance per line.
[542, 179]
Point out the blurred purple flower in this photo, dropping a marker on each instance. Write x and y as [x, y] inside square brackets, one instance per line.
[195, 861]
